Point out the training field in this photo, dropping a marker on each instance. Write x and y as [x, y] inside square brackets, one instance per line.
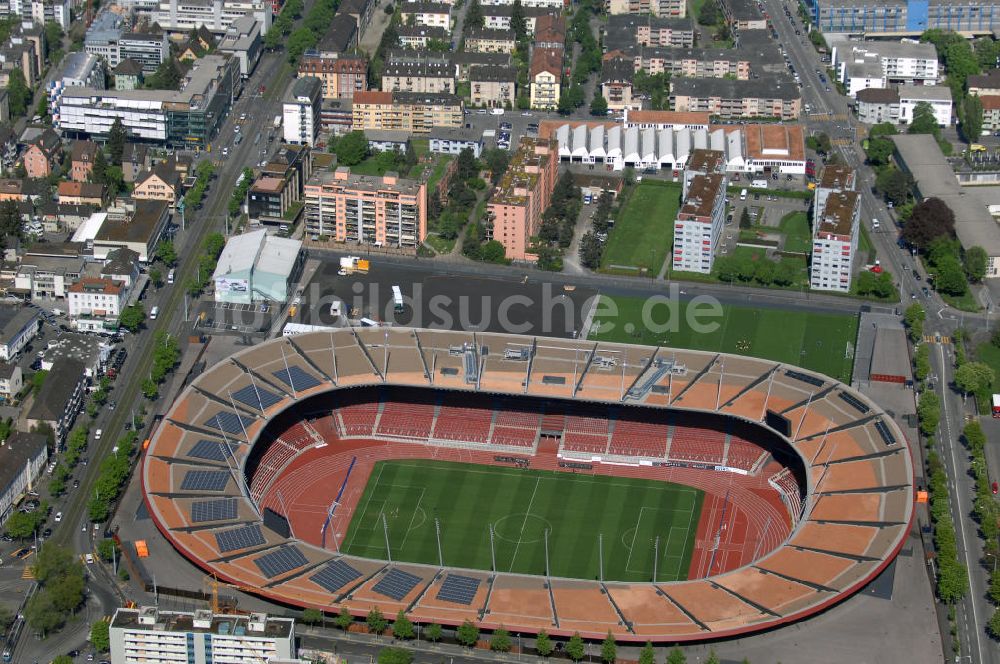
[521, 505]
[820, 342]
[644, 231]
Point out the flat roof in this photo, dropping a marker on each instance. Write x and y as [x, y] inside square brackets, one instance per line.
[703, 191]
[838, 214]
[218, 624]
[17, 451]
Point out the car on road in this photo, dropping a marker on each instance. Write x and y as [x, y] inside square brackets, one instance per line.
[47, 533]
[76, 484]
[995, 487]
[22, 553]
[90, 561]
[916, 275]
[58, 517]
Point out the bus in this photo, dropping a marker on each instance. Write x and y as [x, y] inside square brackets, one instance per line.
[397, 298]
[996, 405]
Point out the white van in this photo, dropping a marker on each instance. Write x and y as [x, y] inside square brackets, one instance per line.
[368, 322]
[170, 276]
[874, 224]
[743, 195]
[98, 434]
[759, 184]
[153, 313]
[336, 308]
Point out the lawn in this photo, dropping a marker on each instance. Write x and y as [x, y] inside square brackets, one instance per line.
[990, 354]
[439, 244]
[438, 172]
[798, 237]
[820, 342]
[644, 231]
[521, 505]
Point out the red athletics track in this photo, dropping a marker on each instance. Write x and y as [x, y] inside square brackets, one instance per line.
[742, 516]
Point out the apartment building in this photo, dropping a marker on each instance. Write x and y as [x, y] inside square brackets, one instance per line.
[616, 83]
[300, 111]
[700, 219]
[43, 154]
[160, 637]
[497, 17]
[626, 30]
[744, 15]
[216, 15]
[991, 112]
[836, 226]
[493, 85]
[364, 209]
[41, 11]
[81, 160]
[672, 8]
[986, 84]
[341, 77]
[416, 71]
[774, 96]
[428, 14]
[545, 75]
[687, 62]
[95, 304]
[18, 326]
[408, 111]
[419, 36]
[937, 96]
[22, 457]
[903, 17]
[58, 402]
[877, 105]
[280, 184]
[881, 64]
[550, 32]
[522, 196]
[489, 40]
[529, 4]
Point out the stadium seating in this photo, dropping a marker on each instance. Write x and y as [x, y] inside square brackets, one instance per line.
[358, 419]
[465, 423]
[513, 436]
[639, 438]
[784, 482]
[744, 455]
[697, 445]
[406, 420]
[297, 436]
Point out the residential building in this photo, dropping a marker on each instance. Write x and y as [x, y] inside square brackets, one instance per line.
[937, 96]
[453, 141]
[877, 105]
[550, 32]
[360, 10]
[418, 36]
[700, 220]
[489, 40]
[991, 112]
[43, 154]
[493, 85]
[428, 14]
[529, 4]
[300, 111]
[337, 116]
[280, 186]
[545, 75]
[18, 56]
[138, 226]
[82, 193]
[341, 77]
[160, 183]
[363, 209]
[257, 266]
[986, 84]
[8, 147]
[122, 265]
[59, 401]
[11, 383]
[743, 15]
[835, 242]
[340, 38]
[160, 637]
[81, 158]
[135, 159]
[616, 84]
[409, 111]
[46, 271]
[878, 64]
[127, 75]
[765, 96]
[497, 17]
[418, 71]
[902, 17]
[464, 61]
[189, 118]
[95, 304]
[522, 195]
[40, 11]
[688, 62]
[182, 16]
[674, 8]
[22, 460]
[387, 140]
[243, 40]
[626, 30]
[18, 326]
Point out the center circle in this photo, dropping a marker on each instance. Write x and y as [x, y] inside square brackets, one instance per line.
[521, 527]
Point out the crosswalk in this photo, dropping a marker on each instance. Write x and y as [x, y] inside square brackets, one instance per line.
[836, 117]
[934, 339]
[842, 142]
[28, 573]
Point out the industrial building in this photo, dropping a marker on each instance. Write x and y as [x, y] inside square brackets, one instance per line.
[256, 266]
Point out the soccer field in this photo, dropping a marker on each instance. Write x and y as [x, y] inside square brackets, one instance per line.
[520, 504]
[820, 342]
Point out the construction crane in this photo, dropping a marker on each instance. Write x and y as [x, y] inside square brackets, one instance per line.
[213, 582]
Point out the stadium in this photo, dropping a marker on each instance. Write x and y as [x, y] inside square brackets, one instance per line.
[530, 483]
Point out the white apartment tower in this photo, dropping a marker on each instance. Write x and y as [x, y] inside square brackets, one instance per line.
[836, 215]
[702, 214]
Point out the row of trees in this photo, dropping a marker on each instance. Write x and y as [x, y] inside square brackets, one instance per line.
[114, 472]
[593, 241]
[203, 176]
[240, 193]
[212, 249]
[743, 268]
[558, 224]
[60, 577]
[572, 94]
[166, 353]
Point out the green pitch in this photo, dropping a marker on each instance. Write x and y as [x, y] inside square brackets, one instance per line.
[521, 505]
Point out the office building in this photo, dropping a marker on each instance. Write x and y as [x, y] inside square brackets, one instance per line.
[300, 111]
[149, 635]
[243, 41]
[107, 38]
[182, 16]
[414, 112]
[836, 226]
[364, 209]
[523, 194]
[902, 17]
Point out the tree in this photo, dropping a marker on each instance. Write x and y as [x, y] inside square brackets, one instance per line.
[575, 647]
[500, 641]
[312, 616]
[376, 621]
[474, 15]
[894, 184]
[709, 14]
[949, 277]
[976, 262]
[106, 550]
[924, 121]
[745, 221]
[712, 658]
[18, 92]
[395, 656]
[42, 108]
[973, 377]
[676, 656]
[599, 105]
[402, 627]
[971, 115]
[993, 627]
[100, 637]
[931, 218]
[433, 632]
[98, 170]
[518, 22]
[167, 253]
[53, 36]
[879, 151]
[647, 655]
[543, 644]
[928, 412]
[913, 318]
[609, 651]
[299, 42]
[467, 634]
[22, 525]
[131, 317]
[63, 659]
[166, 77]
[344, 619]
[591, 250]
[116, 142]
[351, 148]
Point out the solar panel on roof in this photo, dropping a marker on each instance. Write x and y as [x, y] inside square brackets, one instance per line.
[205, 480]
[396, 584]
[458, 589]
[212, 450]
[296, 378]
[228, 422]
[334, 576]
[855, 403]
[280, 561]
[255, 397]
[243, 537]
[213, 510]
[804, 377]
[883, 430]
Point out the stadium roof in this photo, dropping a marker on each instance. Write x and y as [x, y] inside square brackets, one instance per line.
[855, 516]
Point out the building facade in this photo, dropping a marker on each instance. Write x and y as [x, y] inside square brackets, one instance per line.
[765, 96]
[341, 77]
[675, 8]
[493, 85]
[95, 304]
[902, 17]
[300, 111]
[408, 111]
[524, 192]
[836, 226]
[415, 71]
[183, 16]
[545, 76]
[699, 222]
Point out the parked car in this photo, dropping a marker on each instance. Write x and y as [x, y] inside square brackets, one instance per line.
[58, 517]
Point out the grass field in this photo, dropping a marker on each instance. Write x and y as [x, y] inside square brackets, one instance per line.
[521, 505]
[644, 231]
[821, 342]
[798, 237]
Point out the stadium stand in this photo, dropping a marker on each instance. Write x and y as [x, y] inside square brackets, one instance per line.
[697, 445]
